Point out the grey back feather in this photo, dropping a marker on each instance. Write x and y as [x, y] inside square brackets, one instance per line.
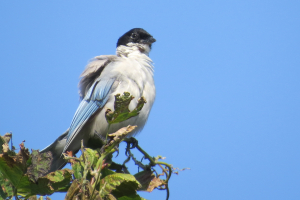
[92, 72]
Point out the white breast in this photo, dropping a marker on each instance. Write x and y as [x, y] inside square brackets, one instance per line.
[134, 75]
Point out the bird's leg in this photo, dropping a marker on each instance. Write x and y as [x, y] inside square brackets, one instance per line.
[131, 141]
[117, 150]
[70, 154]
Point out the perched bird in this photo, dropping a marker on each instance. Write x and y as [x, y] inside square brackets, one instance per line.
[131, 70]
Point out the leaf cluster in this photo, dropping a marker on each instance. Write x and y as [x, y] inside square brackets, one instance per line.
[23, 174]
[94, 175]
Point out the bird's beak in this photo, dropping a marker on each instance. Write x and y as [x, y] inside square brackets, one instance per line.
[149, 41]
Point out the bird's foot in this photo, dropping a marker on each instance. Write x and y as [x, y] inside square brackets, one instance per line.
[70, 153]
[131, 141]
[131, 144]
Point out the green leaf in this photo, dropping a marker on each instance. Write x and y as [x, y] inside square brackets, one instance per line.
[2, 142]
[121, 110]
[58, 180]
[105, 172]
[110, 197]
[40, 165]
[73, 190]
[119, 185]
[6, 187]
[52, 182]
[77, 170]
[91, 156]
[13, 168]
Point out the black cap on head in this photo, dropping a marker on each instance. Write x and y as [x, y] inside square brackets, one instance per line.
[136, 35]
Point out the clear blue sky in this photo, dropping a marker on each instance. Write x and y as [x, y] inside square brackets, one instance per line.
[227, 75]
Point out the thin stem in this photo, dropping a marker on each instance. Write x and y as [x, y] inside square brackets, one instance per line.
[107, 133]
[15, 193]
[147, 156]
[98, 166]
[101, 189]
[71, 158]
[169, 168]
[153, 163]
[82, 151]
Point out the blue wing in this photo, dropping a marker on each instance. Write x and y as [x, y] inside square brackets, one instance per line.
[95, 99]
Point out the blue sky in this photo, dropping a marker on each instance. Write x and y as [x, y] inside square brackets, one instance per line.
[227, 80]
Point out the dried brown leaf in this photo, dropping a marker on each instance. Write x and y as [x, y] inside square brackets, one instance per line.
[5, 148]
[7, 137]
[155, 182]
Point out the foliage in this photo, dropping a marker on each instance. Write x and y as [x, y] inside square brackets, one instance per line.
[23, 174]
[94, 175]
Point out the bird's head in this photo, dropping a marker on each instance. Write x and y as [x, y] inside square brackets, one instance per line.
[137, 37]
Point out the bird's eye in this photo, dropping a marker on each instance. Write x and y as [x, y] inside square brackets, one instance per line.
[133, 36]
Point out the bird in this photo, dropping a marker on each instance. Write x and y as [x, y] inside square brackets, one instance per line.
[130, 70]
